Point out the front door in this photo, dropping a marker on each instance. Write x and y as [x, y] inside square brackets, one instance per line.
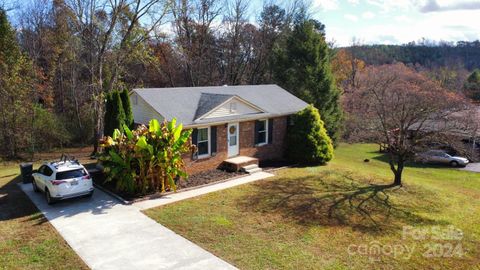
[232, 139]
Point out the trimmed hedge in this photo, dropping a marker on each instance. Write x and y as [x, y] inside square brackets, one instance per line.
[307, 139]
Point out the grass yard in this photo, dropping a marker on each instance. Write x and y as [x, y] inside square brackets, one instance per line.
[339, 216]
[27, 240]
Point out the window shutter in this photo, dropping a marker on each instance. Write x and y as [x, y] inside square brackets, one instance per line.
[257, 127]
[194, 141]
[213, 140]
[270, 131]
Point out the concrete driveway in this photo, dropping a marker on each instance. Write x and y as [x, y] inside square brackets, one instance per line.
[109, 235]
[472, 167]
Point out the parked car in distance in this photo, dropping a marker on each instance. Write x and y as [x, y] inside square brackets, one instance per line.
[440, 157]
[62, 180]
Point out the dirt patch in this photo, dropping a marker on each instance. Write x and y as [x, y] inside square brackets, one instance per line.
[206, 177]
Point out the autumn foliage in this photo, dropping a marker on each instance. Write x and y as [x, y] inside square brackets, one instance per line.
[401, 109]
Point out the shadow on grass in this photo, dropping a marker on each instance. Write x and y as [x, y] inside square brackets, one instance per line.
[14, 203]
[333, 199]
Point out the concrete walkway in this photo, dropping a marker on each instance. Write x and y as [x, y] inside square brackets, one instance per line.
[175, 197]
[110, 235]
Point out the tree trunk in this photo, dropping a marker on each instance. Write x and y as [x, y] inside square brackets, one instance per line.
[98, 125]
[398, 174]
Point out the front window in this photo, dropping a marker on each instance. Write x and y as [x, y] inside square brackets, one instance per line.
[262, 132]
[202, 141]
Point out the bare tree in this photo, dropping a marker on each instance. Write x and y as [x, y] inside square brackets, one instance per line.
[402, 110]
[109, 31]
[235, 50]
[193, 22]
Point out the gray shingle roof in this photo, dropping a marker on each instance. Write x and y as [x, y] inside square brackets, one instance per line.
[187, 103]
[208, 102]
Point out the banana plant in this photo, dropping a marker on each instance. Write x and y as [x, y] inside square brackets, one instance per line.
[146, 159]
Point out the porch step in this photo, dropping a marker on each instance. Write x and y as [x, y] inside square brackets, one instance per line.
[250, 169]
[236, 163]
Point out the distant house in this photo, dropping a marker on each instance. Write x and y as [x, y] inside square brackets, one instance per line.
[460, 132]
[233, 124]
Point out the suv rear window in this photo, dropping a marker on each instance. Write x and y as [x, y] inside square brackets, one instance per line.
[71, 174]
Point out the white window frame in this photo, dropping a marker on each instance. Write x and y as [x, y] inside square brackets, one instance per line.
[208, 142]
[266, 132]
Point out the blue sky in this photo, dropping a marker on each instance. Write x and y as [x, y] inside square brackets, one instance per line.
[398, 21]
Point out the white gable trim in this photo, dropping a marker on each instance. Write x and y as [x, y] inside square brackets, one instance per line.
[236, 98]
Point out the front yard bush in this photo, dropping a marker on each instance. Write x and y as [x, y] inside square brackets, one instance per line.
[307, 138]
[147, 159]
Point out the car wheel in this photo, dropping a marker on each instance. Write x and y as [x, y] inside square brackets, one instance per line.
[48, 197]
[35, 188]
[454, 164]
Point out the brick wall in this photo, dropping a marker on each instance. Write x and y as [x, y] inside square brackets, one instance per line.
[274, 150]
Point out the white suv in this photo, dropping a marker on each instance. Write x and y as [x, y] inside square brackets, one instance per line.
[62, 180]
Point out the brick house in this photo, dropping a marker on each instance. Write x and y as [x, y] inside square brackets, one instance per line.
[232, 125]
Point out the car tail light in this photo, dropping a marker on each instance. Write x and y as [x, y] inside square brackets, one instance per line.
[86, 177]
[57, 182]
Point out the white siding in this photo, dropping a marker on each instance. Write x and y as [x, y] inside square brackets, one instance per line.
[241, 109]
[142, 111]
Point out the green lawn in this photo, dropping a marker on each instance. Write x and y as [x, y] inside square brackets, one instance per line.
[332, 217]
[27, 240]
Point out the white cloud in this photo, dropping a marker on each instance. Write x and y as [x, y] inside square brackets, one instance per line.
[354, 2]
[402, 18]
[434, 5]
[425, 5]
[389, 5]
[368, 15]
[325, 4]
[351, 17]
[434, 26]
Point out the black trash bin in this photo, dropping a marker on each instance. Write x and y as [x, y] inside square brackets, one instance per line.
[26, 170]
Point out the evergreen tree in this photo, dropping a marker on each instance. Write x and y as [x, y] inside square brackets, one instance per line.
[17, 93]
[114, 115]
[307, 139]
[127, 107]
[118, 114]
[302, 67]
[108, 121]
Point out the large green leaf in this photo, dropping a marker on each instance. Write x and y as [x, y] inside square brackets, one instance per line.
[171, 124]
[142, 142]
[154, 126]
[116, 158]
[116, 134]
[177, 132]
[128, 132]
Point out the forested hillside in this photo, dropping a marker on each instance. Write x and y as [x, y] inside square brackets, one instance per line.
[426, 53]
